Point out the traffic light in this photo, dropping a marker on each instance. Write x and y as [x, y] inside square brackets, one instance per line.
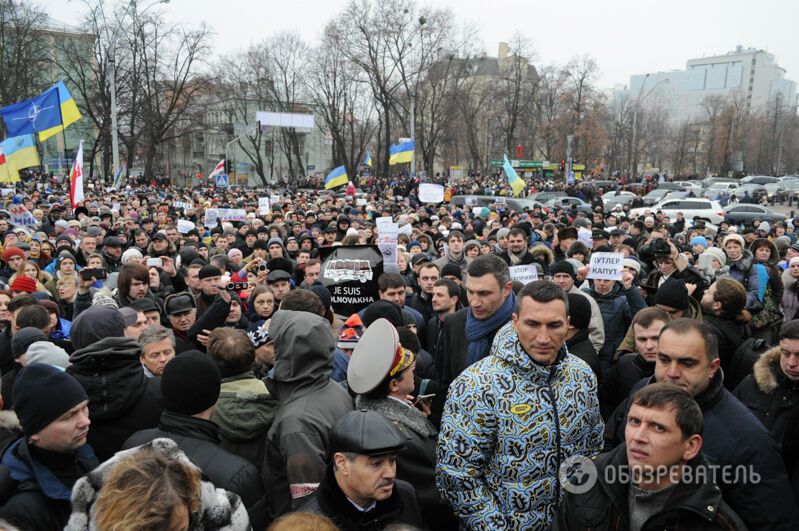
[563, 165]
[227, 167]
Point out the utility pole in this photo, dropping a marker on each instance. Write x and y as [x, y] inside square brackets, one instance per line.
[569, 139]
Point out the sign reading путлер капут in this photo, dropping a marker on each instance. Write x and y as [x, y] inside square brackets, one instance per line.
[524, 273]
[606, 266]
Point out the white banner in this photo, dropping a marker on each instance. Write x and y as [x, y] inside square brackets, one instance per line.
[606, 266]
[387, 233]
[20, 217]
[431, 193]
[524, 273]
[182, 204]
[225, 214]
[263, 206]
[184, 226]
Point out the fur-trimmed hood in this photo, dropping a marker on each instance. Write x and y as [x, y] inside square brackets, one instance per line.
[764, 370]
[409, 417]
[219, 509]
[543, 250]
[9, 421]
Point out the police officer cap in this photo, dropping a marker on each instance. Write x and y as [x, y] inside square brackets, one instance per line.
[376, 356]
[366, 432]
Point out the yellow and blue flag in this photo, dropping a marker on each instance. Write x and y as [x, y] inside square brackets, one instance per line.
[337, 177]
[515, 182]
[118, 176]
[367, 159]
[402, 152]
[31, 116]
[20, 152]
[8, 174]
[69, 112]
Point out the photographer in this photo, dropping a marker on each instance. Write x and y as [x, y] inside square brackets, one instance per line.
[670, 263]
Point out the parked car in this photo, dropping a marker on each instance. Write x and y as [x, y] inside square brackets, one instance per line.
[690, 207]
[655, 196]
[569, 203]
[543, 197]
[755, 191]
[759, 179]
[670, 186]
[696, 186]
[745, 213]
[716, 189]
[611, 199]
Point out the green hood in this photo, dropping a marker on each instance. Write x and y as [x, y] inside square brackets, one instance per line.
[244, 411]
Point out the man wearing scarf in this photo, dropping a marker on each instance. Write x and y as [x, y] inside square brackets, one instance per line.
[468, 333]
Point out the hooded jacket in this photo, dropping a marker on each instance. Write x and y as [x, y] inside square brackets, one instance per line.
[122, 400]
[733, 437]
[244, 414]
[508, 424]
[769, 394]
[790, 296]
[309, 402]
[219, 509]
[693, 504]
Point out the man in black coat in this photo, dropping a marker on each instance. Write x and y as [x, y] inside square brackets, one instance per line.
[122, 400]
[632, 489]
[362, 472]
[723, 305]
[191, 384]
[632, 367]
[772, 390]
[41, 468]
[732, 437]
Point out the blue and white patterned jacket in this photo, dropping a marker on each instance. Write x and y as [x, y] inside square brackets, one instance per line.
[500, 446]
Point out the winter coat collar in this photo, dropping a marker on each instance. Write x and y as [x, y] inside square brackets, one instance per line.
[335, 505]
[24, 468]
[410, 417]
[697, 496]
[768, 373]
[744, 263]
[189, 426]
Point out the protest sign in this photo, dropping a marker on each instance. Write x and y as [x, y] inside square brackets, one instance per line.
[350, 273]
[20, 217]
[524, 273]
[263, 206]
[584, 236]
[182, 204]
[606, 266]
[184, 226]
[224, 214]
[387, 232]
[431, 193]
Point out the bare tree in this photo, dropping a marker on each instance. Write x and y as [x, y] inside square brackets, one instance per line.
[580, 95]
[517, 87]
[712, 107]
[24, 51]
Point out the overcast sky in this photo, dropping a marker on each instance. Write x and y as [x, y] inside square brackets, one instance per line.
[625, 36]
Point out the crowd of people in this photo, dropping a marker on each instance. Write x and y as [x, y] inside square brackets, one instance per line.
[164, 375]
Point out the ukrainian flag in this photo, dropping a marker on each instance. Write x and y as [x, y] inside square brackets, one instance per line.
[337, 177]
[69, 113]
[7, 173]
[367, 159]
[19, 152]
[515, 182]
[402, 152]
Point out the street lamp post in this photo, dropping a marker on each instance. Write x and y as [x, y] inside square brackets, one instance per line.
[422, 21]
[634, 147]
[112, 78]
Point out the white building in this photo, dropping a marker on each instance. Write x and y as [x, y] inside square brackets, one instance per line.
[749, 73]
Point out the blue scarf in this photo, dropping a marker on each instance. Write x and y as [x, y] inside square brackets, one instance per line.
[477, 331]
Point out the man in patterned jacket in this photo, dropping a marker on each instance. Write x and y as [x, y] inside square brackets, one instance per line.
[514, 417]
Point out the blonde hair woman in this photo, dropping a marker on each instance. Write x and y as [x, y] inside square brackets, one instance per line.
[31, 270]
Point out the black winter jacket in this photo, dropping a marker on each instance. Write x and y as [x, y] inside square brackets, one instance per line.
[417, 462]
[199, 440]
[630, 369]
[580, 345]
[605, 507]
[734, 437]
[452, 359]
[730, 335]
[401, 507]
[769, 394]
[122, 400]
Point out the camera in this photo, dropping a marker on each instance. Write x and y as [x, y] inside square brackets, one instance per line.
[660, 247]
[262, 268]
[99, 274]
[236, 286]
